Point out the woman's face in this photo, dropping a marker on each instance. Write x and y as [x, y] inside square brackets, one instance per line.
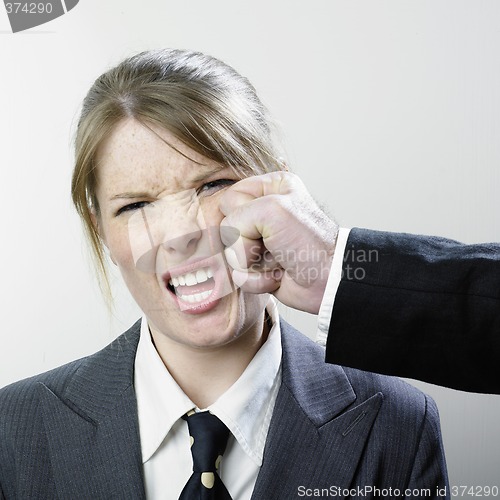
[159, 217]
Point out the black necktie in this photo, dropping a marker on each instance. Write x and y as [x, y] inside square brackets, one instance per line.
[208, 442]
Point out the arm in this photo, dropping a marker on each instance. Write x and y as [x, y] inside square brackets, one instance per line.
[413, 306]
[420, 307]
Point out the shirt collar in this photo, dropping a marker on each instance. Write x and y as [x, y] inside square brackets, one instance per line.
[245, 408]
[160, 401]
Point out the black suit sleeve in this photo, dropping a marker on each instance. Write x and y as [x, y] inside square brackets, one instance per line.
[427, 308]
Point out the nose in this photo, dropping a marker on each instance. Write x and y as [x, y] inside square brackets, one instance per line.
[182, 222]
[185, 244]
[174, 225]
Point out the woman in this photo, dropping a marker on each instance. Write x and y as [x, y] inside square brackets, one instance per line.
[162, 136]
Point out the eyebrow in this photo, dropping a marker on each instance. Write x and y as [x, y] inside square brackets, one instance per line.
[204, 175]
[130, 195]
[142, 194]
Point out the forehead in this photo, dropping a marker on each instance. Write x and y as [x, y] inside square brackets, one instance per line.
[148, 157]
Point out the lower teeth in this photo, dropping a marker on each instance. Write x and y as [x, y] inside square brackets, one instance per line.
[196, 297]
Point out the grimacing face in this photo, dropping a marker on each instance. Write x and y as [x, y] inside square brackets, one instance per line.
[159, 217]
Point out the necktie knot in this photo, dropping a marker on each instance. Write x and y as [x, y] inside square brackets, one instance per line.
[208, 440]
[208, 437]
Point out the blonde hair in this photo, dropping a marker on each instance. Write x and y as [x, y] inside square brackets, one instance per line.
[202, 101]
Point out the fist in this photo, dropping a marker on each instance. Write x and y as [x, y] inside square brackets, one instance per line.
[286, 242]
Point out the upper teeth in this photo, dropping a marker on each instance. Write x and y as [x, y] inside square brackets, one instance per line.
[191, 279]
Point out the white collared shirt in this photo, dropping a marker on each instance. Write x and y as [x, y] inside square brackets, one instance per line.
[246, 409]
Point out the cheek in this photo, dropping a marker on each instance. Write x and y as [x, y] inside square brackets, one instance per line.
[252, 305]
[119, 246]
[210, 210]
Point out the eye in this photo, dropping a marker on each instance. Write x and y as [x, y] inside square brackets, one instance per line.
[213, 186]
[131, 207]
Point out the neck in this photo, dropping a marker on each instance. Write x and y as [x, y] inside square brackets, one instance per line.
[204, 374]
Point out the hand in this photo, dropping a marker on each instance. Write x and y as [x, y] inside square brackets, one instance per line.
[287, 242]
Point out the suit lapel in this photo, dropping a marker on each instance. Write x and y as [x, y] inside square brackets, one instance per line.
[316, 437]
[92, 428]
[318, 431]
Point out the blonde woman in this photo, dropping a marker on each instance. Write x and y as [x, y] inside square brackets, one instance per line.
[209, 394]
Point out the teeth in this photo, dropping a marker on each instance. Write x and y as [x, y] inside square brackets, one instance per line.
[190, 279]
[195, 297]
[201, 276]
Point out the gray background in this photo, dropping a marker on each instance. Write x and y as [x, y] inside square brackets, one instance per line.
[390, 112]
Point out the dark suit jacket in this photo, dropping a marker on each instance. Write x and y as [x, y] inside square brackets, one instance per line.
[421, 307]
[72, 433]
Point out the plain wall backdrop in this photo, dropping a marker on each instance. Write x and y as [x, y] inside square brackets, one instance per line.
[390, 113]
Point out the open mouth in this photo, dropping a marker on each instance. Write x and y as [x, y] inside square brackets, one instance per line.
[193, 287]
[198, 286]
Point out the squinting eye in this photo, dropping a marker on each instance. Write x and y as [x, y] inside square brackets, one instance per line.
[132, 207]
[214, 186]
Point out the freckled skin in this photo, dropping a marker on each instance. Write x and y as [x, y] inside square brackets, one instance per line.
[135, 159]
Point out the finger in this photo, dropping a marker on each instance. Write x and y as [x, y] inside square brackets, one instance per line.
[250, 255]
[230, 200]
[228, 235]
[267, 262]
[238, 256]
[255, 218]
[256, 282]
[247, 220]
[256, 186]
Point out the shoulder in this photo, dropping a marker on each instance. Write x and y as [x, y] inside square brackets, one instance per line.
[21, 420]
[377, 420]
[19, 396]
[19, 401]
[392, 421]
[400, 400]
